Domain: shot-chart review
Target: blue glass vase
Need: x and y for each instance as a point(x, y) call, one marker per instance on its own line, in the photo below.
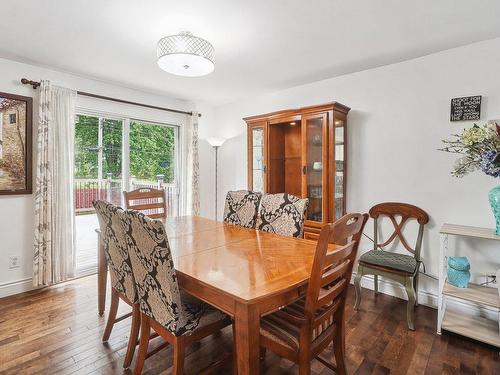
point(494, 197)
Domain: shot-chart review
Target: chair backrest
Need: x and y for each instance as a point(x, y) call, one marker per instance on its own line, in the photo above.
point(115, 249)
point(241, 208)
point(329, 280)
point(283, 214)
point(152, 202)
point(349, 227)
point(407, 211)
point(154, 273)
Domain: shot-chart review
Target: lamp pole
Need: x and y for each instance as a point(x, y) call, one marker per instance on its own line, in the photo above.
point(216, 143)
point(216, 175)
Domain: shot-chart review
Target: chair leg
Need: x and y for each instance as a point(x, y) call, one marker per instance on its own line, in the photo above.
point(357, 287)
point(338, 351)
point(134, 333)
point(411, 302)
point(305, 367)
point(143, 345)
point(262, 353)
point(375, 283)
point(415, 286)
point(113, 309)
point(179, 353)
point(235, 361)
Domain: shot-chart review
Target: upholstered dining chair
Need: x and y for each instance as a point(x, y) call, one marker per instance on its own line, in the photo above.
point(152, 202)
point(123, 288)
point(176, 316)
point(283, 214)
point(241, 208)
point(302, 330)
point(401, 268)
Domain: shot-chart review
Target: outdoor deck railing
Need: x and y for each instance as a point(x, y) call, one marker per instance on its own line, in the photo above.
point(87, 190)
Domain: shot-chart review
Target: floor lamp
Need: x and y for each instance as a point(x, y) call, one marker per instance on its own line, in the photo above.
point(216, 143)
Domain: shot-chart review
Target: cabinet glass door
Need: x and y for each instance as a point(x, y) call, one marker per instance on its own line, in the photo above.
point(339, 168)
point(315, 139)
point(257, 159)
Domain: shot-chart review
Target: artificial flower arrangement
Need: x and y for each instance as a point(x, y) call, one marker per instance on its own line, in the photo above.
point(480, 150)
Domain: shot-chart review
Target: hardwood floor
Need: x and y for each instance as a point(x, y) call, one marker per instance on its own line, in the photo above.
point(58, 331)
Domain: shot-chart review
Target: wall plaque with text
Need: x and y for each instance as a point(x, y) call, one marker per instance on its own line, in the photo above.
point(467, 108)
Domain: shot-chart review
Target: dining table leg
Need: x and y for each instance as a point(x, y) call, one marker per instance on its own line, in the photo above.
point(102, 276)
point(247, 333)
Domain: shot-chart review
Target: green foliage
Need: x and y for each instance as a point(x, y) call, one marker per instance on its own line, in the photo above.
point(86, 130)
point(152, 149)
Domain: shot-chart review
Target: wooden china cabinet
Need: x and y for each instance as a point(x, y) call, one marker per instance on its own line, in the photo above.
point(302, 152)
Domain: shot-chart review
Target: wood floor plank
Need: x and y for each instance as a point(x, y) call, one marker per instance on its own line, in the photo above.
point(58, 331)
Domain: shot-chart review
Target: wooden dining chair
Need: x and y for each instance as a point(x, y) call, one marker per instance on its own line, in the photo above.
point(176, 316)
point(241, 208)
point(302, 330)
point(282, 214)
point(401, 268)
point(152, 202)
point(123, 288)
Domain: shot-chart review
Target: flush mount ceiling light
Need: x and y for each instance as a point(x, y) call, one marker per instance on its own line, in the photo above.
point(185, 55)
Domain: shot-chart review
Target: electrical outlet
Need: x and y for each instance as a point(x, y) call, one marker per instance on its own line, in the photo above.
point(14, 262)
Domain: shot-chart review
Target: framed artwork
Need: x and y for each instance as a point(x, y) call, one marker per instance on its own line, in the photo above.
point(16, 115)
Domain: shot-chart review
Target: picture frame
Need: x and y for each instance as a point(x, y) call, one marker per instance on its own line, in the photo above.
point(16, 144)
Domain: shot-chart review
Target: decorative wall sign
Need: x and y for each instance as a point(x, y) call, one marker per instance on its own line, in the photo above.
point(467, 108)
point(15, 144)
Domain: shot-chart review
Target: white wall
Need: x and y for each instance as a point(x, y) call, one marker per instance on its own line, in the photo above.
point(399, 115)
point(16, 212)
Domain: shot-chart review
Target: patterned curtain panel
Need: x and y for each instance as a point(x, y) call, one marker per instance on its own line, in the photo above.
point(54, 244)
point(193, 167)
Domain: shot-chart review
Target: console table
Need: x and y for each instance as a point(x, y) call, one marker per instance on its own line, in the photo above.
point(475, 327)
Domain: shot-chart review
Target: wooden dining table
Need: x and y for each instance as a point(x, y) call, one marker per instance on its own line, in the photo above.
point(244, 272)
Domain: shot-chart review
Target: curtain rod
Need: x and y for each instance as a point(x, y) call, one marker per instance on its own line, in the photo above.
point(36, 84)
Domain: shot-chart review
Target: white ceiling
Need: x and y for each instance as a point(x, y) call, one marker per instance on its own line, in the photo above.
point(260, 45)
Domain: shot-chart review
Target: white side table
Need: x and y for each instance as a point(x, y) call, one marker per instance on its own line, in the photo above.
point(475, 327)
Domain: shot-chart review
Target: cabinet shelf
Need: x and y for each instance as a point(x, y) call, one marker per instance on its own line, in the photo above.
point(468, 231)
point(475, 327)
point(478, 294)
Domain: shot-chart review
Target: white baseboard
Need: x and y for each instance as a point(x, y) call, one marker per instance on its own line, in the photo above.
point(395, 289)
point(425, 298)
point(16, 287)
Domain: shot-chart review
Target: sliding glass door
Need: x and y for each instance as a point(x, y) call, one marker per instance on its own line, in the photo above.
point(113, 155)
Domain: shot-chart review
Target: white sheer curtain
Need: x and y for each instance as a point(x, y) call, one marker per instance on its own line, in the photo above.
point(192, 176)
point(54, 244)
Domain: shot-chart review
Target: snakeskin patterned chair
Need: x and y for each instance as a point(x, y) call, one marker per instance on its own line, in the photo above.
point(283, 214)
point(302, 330)
point(241, 208)
point(112, 238)
point(176, 316)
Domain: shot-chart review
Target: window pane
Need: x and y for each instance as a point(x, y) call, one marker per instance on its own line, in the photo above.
point(339, 172)
point(314, 133)
point(86, 146)
point(112, 149)
point(152, 153)
point(258, 159)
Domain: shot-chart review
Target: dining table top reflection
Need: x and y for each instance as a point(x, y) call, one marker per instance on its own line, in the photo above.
point(243, 272)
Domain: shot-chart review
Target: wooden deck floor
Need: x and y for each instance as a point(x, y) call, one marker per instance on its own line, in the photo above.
point(86, 242)
point(58, 331)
